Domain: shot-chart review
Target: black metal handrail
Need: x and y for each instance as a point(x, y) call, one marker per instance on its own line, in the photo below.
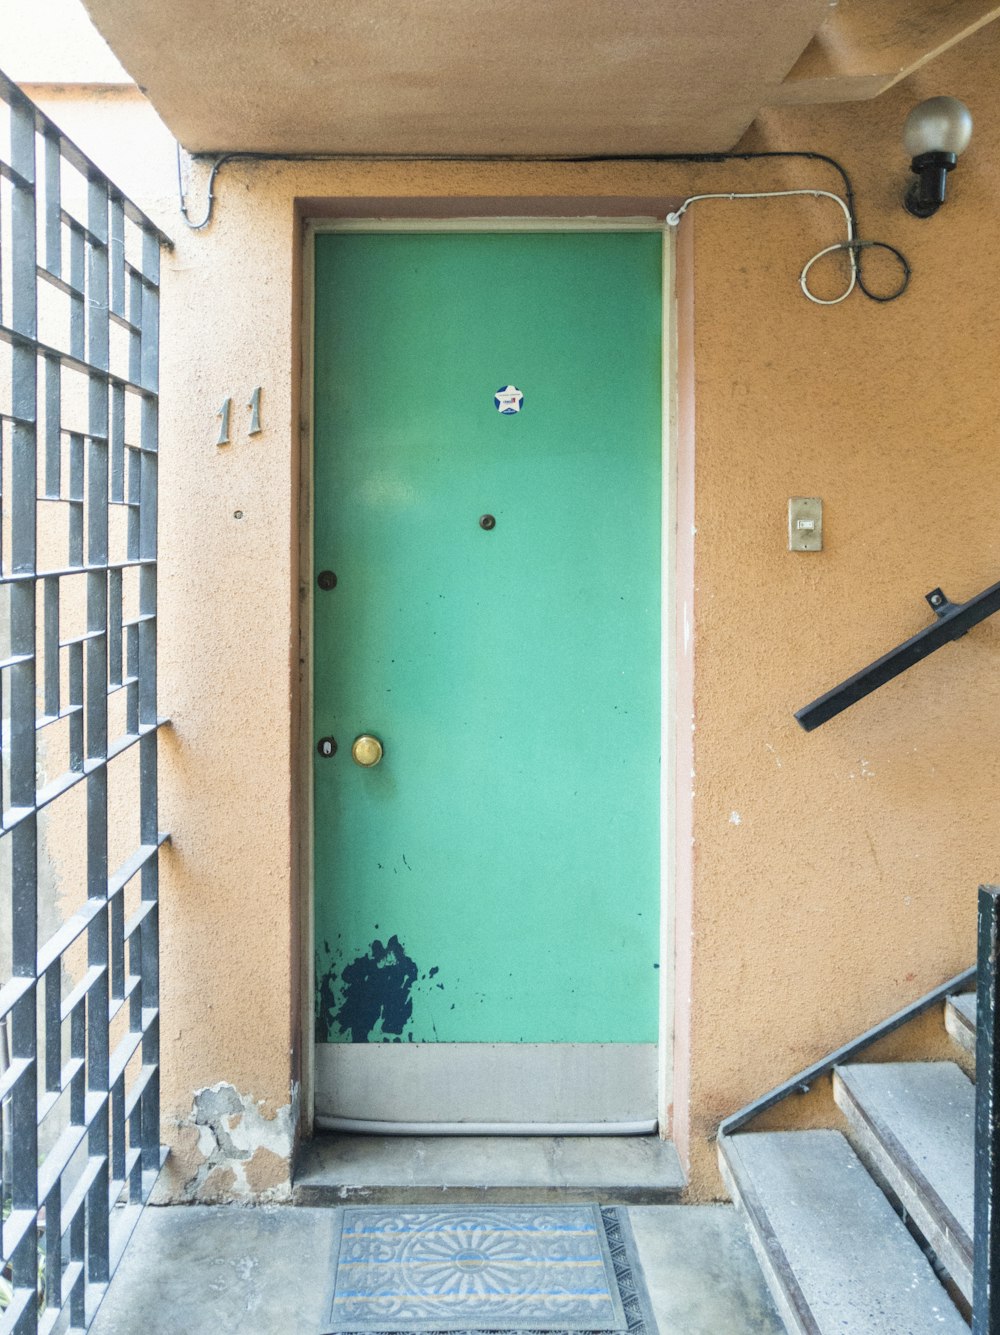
point(953, 620)
point(804, 1080)
point(986, 1213)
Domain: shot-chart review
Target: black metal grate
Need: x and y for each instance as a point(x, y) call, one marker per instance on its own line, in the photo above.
point(79, 1017)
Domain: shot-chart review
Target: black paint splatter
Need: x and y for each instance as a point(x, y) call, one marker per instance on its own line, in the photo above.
point(377, 986)
point(325, 1001)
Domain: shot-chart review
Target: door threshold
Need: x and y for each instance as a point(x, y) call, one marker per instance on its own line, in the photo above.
point(358, 1126)
point(506, 1170)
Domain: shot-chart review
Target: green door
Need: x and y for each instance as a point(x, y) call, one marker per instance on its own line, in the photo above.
point(487, 607)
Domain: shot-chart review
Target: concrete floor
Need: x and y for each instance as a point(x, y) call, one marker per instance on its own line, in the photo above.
point(212, 1270)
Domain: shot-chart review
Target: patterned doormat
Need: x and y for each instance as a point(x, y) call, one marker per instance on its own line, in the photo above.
point(487, 1270)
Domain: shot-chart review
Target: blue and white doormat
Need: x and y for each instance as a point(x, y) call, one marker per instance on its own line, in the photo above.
point(558, 1269)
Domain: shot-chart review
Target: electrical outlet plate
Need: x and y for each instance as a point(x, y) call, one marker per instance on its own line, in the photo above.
point(805, 524)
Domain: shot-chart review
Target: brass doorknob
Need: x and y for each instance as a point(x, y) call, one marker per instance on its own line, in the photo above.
point(366, 751)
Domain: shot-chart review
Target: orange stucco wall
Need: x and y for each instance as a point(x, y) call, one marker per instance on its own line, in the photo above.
point(848, 886)
point(824, 880)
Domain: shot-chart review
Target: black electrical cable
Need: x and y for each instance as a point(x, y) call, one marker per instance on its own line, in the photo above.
point(856, 246)
point(904, 265)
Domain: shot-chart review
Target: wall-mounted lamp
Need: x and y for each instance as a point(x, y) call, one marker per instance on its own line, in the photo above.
point(936, 131)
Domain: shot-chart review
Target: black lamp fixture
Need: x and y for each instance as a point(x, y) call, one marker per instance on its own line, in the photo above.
point(936, 131)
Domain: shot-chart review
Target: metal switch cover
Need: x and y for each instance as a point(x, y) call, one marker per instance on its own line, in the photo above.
point(805, 524)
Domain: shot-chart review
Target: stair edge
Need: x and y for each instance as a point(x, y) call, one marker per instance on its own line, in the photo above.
point(947, 1239)
point(959, 1026)
point(791, 1302)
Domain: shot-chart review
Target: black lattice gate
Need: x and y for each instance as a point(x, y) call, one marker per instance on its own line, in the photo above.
point(79, 1017)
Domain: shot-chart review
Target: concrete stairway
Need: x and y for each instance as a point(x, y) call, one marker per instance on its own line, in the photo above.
point(870, 1232)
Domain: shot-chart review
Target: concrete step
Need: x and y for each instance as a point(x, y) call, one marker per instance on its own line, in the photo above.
point(525, 1170)
point(835, 1254)
point(913, 1125)
point(960, 1019)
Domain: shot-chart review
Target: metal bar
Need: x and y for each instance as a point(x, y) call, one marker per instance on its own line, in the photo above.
point(96, 702)
point(135, 288)
point(986, 1209)
point(133, 927)
point(53, 205)
point(53, 436)
point(117, 443)
point(17, 816)
point(119, 1145)
point(73, 1205)
point(145, 703)
point(74, 224)
point(53, 1026)
point(8, 173)
point(73, 570)
point(78, 1048)
point(115, 598)
point(76, 703)
point(77, 278)
point(83, 988)
point(117, 255)
point(131, 993)
point(50, 642)
point(800, 1084)
point(24, 399)
point(53, 1249)
point(22, 216)
point(46, 720)
point(9, 334)
point(953, 621)
point(150, 359)
point(18, 1068)
point(134, 497)
point(13, 659)
point(13, 991)
point(76, 491)
point(53, 280)
point(117, 946)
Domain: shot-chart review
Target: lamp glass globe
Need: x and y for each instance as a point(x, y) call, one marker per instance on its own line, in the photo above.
point(939, 125)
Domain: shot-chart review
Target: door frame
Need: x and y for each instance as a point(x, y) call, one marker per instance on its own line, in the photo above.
point(303, 798)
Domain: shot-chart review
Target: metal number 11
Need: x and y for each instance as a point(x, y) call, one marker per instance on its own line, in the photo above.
point(223, 413)
point(254, 406)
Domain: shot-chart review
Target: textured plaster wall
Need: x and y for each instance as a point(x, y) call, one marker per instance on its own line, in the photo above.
point(824, 880)
point(848, 886)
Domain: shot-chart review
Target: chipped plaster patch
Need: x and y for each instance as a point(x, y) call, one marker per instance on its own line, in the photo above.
point(231, 1148)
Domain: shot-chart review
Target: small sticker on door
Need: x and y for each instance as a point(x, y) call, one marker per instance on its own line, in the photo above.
point(508, 400)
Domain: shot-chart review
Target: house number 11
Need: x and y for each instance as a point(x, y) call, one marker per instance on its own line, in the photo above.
point(225, 413)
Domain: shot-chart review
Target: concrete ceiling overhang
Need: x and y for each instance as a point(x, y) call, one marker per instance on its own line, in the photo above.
point(458, 77)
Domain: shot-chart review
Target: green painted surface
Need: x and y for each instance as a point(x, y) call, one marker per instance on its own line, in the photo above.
point(496, 877)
